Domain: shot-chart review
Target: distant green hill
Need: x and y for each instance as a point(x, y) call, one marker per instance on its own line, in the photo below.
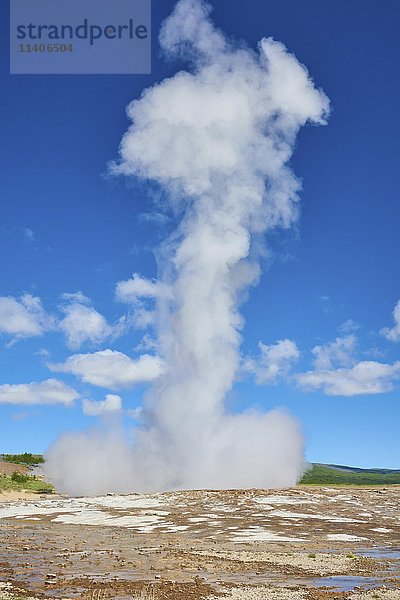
point(23, 459)
point(320, 474)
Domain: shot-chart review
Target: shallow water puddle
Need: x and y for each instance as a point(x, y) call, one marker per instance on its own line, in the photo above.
point(379, 552)
point(343, 583)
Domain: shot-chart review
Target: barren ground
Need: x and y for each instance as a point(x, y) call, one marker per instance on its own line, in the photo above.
point(7, 468)
point(301, 544)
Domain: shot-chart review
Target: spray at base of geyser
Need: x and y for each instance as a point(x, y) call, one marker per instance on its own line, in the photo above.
point(218, 141)
point(250, 450)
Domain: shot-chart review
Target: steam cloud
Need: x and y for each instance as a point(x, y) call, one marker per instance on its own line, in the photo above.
point(218, 140)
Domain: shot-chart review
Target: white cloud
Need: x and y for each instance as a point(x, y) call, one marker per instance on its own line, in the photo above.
point(393, 334)
point(23, 318)
point(51, 391)
point(132, 290)
point(338, 373)
point(78, 296)
point(111, 369)
point(82, 323)
point(339, 353)
point(43, 352)
point(366, 377)
point(348, 326)
point(274, 361)
point(111, 404)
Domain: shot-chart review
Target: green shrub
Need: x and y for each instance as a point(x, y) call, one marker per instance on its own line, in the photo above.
point(19, 481)
point(20, 477)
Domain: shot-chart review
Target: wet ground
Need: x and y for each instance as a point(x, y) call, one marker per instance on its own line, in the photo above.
point(304, 543)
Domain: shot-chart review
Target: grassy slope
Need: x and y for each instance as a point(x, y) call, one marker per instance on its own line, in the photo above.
point(18, 481)
point(8, 483)
point(338, 475)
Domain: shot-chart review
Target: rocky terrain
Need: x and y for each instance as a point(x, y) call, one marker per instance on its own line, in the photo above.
point(305, 543)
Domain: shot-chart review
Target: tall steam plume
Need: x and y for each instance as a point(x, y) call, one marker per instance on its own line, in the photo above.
point(217, 139)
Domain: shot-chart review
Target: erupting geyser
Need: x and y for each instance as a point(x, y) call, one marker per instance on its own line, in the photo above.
point(217, 139)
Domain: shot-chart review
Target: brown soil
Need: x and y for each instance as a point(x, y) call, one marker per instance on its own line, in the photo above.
point(7, 468)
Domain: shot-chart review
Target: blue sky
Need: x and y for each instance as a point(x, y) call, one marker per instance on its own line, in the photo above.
point(67, 227)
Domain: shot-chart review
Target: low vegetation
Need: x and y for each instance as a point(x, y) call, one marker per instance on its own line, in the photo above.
point(338, 475)
point(19, 482)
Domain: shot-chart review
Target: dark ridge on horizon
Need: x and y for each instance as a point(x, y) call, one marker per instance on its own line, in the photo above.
point(359, 469)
